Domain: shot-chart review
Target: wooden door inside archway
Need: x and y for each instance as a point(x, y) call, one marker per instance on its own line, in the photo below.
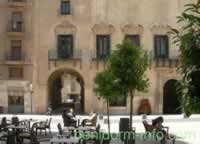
point(171, 103)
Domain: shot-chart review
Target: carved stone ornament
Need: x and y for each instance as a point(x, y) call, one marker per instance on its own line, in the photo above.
point(160, 29)
point(103, 28)
point(132, 29)
point(65, 28)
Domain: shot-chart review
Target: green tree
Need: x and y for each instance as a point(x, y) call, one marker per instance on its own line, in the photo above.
point(187, 38)
point(107, 89)
point(129, 63)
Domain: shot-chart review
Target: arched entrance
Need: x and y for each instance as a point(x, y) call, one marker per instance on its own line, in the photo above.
point(66, 90)
point(171, 104)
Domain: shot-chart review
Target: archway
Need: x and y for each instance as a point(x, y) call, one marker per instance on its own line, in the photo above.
point(171, 103)
point(66, 90)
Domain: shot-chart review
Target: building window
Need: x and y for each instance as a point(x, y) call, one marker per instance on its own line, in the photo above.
point(15, 100)
point(65, 46)
point(65, 7)
point(16, 46)
point(15, 103)
point(119, 103)
point(17, 22)
point(134, 38)
point(15, 72)
point(103, 46)
point(161, 46)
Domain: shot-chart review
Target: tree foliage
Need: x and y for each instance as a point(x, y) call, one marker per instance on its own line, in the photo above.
point(128, 64)
point(187, 38)
point(107, 88)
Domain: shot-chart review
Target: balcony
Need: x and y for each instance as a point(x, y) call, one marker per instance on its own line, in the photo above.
point(15, 28)
point(55, 56)
point(171, 62)
point(16, 59)
point(98, 62)
point(101, 57)
point(17, 3)
point(59, 59)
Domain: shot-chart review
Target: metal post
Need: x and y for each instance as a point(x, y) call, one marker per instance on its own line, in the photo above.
point(31, 102)
point(31, 92)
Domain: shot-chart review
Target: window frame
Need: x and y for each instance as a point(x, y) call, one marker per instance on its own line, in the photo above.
point(134, 37)
point(68, 49)
point(65, 4)
point(12, 72)
point(158, 50)
point(104, 51)
point(15, 50)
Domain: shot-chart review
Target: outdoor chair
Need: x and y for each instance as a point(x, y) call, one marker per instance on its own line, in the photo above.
point(60, 131)
point(15, 121)
point(90, 122)
point(150, 129)
point(32, 136)
point(7, 137)
point(68, 121)
point(42, 126)
point(94, 140)
point(48, 126)
point(3, 124)
point(26, 123)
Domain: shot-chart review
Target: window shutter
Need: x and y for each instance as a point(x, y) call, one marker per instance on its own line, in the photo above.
point(108, 46)
point(97, 46)
point(167, 47)
point(156, 47)
point(70, 46)
point(59, 46)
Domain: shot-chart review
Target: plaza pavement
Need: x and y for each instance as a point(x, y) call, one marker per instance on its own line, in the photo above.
point(187, 130)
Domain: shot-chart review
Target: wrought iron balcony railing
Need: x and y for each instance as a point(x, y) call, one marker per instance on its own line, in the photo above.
point(56, 56)
point(17, 3)
point(100, 56)
point(16, 58)
point(169, 61)
point(16, 26)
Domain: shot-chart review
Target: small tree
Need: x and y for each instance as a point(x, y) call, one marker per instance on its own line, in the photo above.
point(187, 38)
point(107, 89)
point(128, 64)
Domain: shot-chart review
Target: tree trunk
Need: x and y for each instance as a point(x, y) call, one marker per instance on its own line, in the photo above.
point(131, 108)
point(108, 115)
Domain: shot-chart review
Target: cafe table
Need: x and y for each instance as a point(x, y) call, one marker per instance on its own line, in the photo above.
point(62, 139)
point(15, 128)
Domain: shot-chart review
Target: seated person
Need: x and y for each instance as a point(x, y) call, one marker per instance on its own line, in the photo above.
point(69, 118)
point(157, 123)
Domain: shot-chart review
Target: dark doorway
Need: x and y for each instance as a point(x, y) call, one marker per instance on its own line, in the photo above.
point(171, 103)
point(55, 85)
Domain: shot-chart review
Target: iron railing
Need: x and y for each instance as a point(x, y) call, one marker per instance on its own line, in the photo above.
point(20, 57)
point(15, 26)
point(54, 55)
point(10, 1)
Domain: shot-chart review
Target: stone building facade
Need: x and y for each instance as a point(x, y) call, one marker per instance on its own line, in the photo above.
point(42, 40)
